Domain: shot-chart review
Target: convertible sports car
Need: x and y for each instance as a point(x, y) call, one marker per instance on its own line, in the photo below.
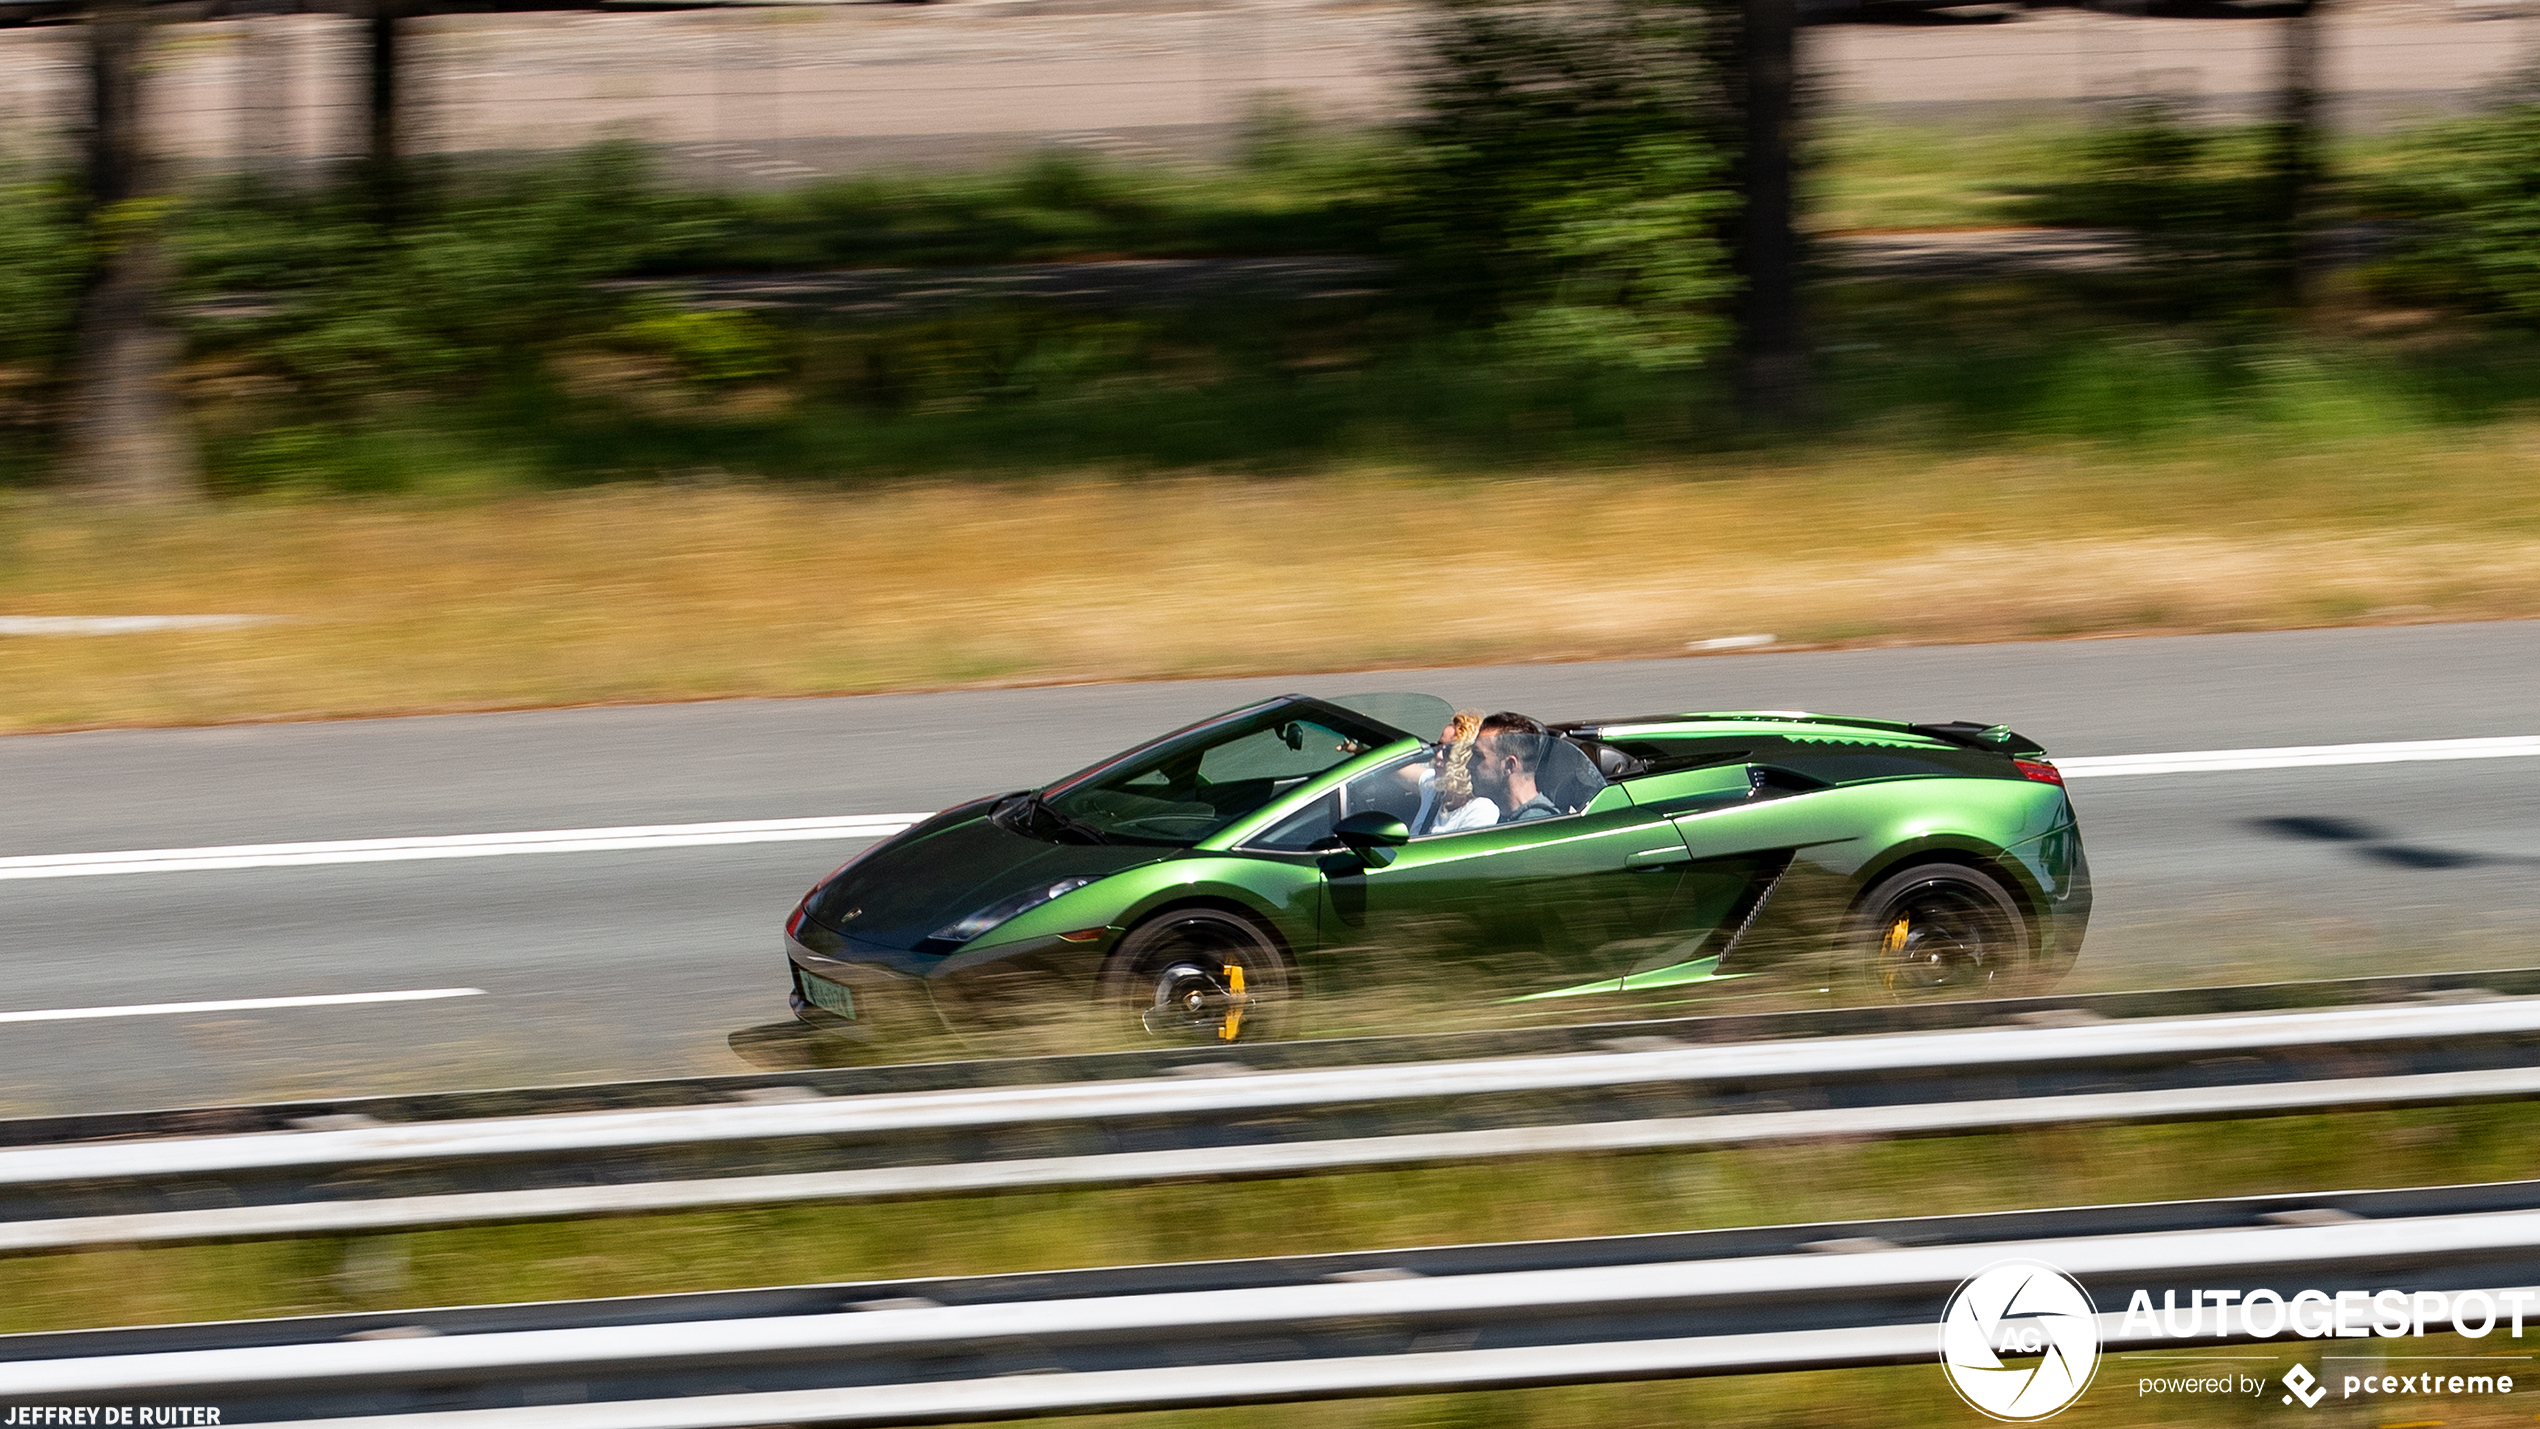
point(1200, 882)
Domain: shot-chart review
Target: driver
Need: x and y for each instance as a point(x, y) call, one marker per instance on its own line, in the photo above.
point(1507, 756)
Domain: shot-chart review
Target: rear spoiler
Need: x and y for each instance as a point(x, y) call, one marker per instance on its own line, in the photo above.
point(1994, 738)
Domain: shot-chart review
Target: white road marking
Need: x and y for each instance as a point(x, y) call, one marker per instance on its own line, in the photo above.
point(296, 855)
point(124, 624)
point(237, 1004)
point(874, 826)
point(2304, 756)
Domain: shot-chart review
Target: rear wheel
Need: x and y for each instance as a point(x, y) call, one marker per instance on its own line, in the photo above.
point(1942, 930)
point(1202, 975)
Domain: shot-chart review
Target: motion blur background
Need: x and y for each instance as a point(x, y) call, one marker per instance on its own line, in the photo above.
point(559, 355)
point(443, 359)
point(256, 249)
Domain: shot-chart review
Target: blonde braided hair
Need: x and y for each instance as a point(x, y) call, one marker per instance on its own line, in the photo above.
point(1455, 772)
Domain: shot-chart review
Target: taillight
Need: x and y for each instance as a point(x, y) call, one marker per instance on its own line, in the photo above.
point(2041, 771)
point(794, 922)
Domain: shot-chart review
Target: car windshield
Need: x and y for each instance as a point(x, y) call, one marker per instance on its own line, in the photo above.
point(1195, 781)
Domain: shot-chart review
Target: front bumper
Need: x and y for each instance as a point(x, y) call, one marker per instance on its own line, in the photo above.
point(852, 991)
point(955, 992)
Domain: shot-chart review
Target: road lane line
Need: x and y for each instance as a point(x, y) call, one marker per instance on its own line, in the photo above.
point(873, 826)
point(402, 850)
point(238, 1004)
point(2304, 756)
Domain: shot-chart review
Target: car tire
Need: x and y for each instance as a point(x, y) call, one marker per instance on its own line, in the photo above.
point(1201, 976)
point(1941, 931)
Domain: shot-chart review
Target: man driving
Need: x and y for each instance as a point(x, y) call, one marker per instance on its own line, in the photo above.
point(1507, 757)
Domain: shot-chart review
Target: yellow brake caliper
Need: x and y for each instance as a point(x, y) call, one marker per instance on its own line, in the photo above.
point(1235, 1014)
point(1897, 931)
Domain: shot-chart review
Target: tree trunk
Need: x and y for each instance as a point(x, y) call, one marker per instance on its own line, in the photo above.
point(383, 148)
point(126, 441)
point(2297, 159)
point(1773, 358)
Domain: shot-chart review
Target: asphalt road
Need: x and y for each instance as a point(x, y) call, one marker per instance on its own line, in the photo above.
point(609, 964)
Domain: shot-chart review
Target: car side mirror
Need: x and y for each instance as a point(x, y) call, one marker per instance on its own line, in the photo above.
point(1373, 836)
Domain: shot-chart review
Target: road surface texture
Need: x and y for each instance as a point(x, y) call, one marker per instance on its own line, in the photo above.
point(609, 964)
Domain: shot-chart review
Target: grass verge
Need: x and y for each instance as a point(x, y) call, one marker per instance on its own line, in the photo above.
point(653, 593)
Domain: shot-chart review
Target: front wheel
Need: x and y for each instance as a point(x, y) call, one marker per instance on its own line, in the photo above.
point(1942, 930)
point(1202, 975)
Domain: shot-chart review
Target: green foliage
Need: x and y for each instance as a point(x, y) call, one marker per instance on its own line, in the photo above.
point(1637, 275)
point(471, 279)
point(2202, 202)
point(1297, 191)
point(2053, 359)
point(1563, 181)
point(984, 356)
point(44, 258)
point(711, 345)
point(2470, 193)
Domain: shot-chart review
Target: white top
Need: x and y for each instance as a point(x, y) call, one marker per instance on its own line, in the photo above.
point(1476, 812)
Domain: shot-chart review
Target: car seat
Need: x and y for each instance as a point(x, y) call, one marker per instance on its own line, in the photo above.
point(1568, 778)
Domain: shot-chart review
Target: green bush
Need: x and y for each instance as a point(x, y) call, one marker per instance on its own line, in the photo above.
point(2468, 194)
point(45, 255)
point(2203, 203)
point(475, 280)
point(44, 258)
point(1296, 191)
point(1635, 273)
point(1563, 182)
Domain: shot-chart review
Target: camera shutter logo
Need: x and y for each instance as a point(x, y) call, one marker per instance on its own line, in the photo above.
point(2019, 1308)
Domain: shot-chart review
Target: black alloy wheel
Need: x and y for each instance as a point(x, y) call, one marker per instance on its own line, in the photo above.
point(1942, 930)
point(1202, 975)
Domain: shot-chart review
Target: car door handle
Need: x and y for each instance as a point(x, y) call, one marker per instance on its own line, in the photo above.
point(1659, 857)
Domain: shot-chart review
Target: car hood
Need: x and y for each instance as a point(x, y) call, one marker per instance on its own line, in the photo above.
point(947, 868)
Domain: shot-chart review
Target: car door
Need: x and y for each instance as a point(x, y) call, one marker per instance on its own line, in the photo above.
point(1723, 877)
point(1759, 837)
point(1538, 907)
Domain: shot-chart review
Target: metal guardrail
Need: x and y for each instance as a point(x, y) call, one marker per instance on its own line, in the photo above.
point(1267, 1123)
point(978, 1075)
point(1292, 1328)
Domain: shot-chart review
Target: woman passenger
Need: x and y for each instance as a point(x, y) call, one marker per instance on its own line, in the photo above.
point(1447, 801)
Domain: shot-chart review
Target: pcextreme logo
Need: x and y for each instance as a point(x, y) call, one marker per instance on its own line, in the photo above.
point(2020, 1308)
point(2305, 1386)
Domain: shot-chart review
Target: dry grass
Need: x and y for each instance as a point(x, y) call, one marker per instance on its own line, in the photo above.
point(651, 593)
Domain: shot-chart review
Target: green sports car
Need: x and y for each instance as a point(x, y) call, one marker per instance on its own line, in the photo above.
point(1203, 881)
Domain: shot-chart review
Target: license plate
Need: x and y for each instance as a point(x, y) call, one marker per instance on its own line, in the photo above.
point(828, 996)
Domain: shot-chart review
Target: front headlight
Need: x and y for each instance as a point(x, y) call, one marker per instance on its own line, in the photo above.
point(1005, 908)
